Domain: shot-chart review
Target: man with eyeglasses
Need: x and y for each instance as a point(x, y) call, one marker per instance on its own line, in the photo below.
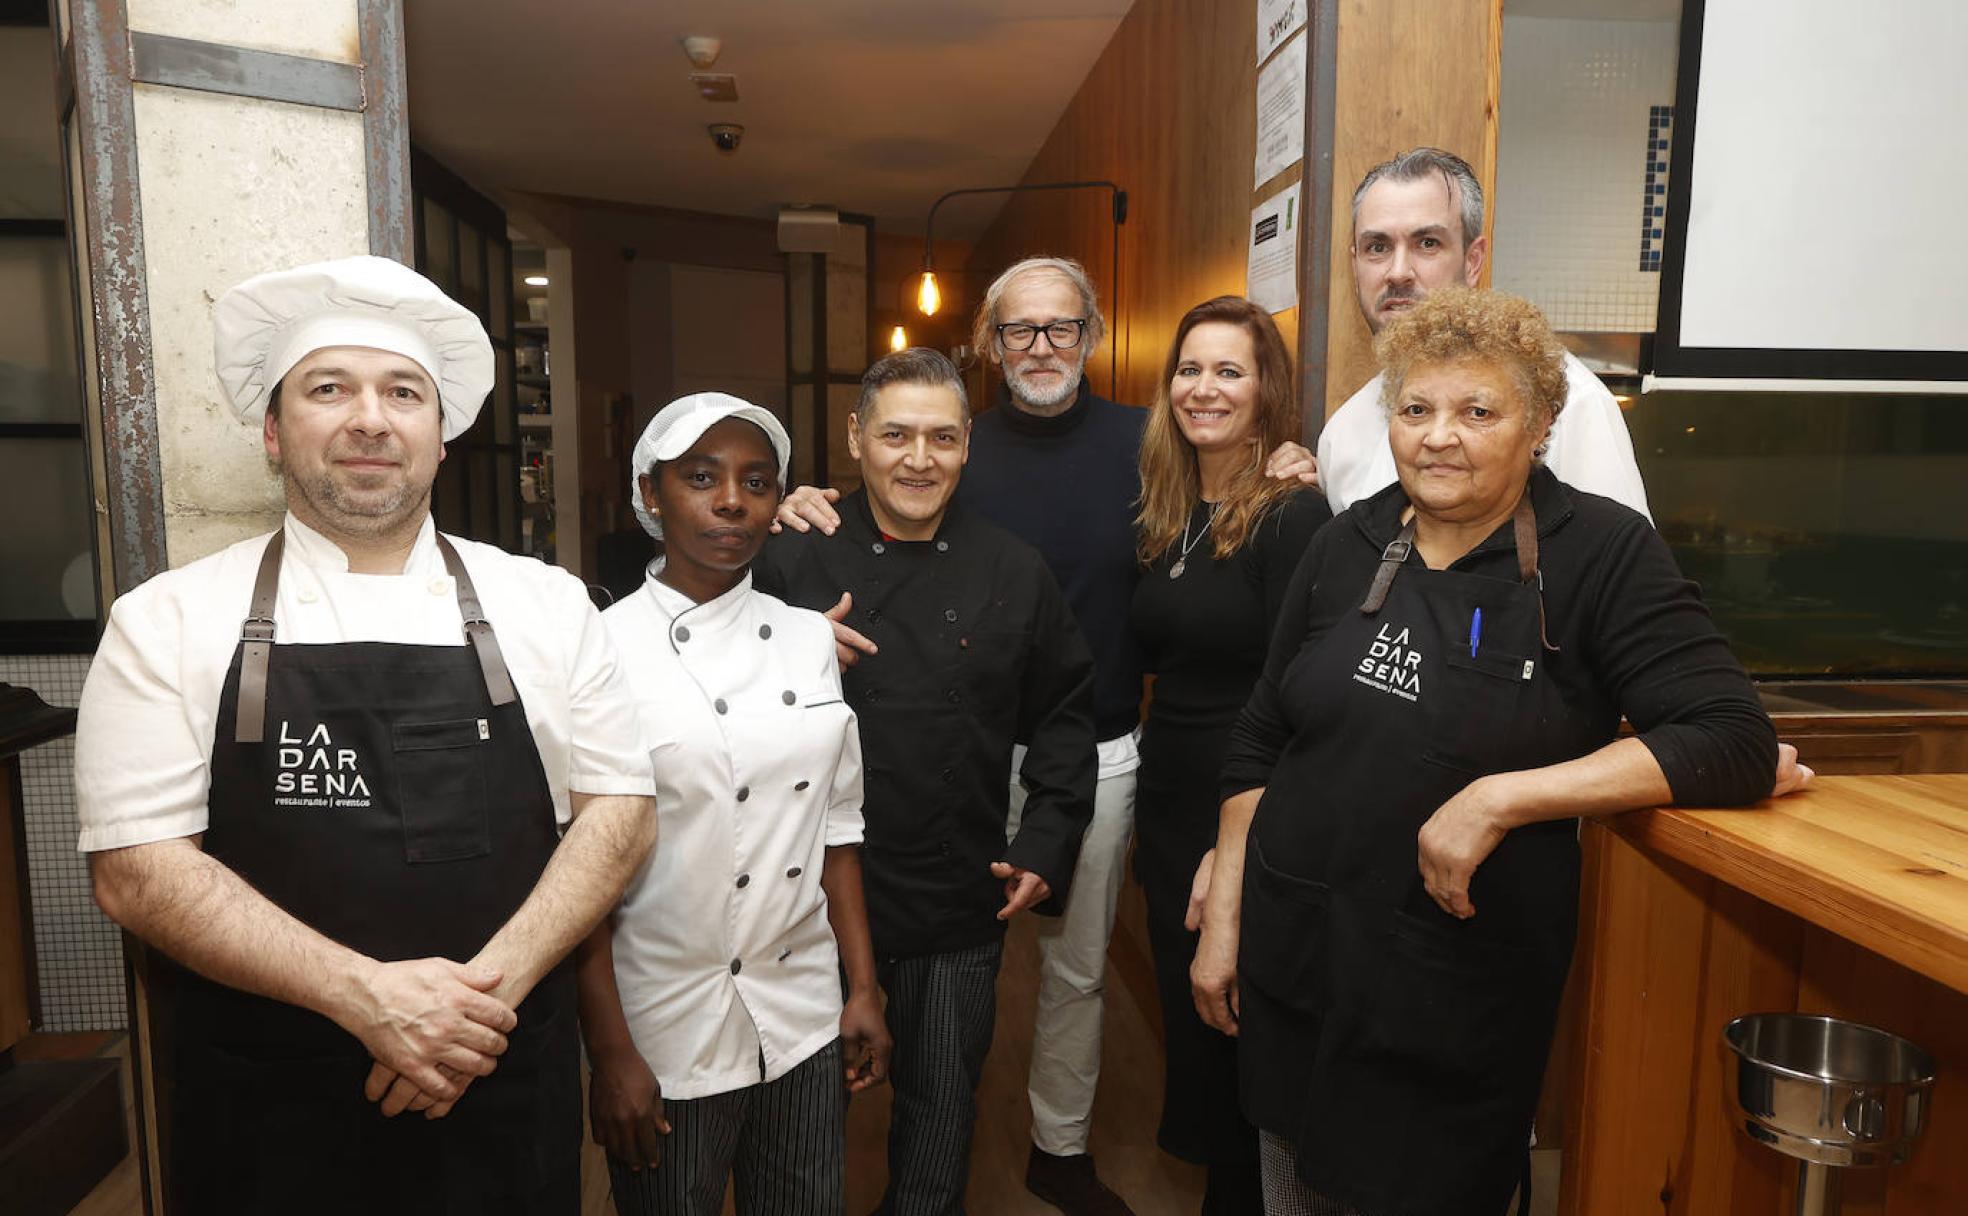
point(1058, 467)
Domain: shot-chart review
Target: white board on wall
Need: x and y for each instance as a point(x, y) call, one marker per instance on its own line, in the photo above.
point(1817, 194)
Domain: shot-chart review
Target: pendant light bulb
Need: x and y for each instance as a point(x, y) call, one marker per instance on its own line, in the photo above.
point(928, 298)
point(898, 339)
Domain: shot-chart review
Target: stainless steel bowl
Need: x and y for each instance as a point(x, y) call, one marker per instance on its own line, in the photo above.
point(1828, 1091)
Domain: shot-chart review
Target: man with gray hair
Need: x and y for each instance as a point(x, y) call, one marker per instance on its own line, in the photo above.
point(1058, 467)
point(1418, 225)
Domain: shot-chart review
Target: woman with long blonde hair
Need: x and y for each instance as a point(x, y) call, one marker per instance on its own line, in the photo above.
point(1218, 541)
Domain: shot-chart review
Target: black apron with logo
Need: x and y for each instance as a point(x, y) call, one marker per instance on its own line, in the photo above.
point(1400, 1048)
point(397, 804)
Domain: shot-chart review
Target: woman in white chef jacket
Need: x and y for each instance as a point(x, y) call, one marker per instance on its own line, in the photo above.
point(711, 1001)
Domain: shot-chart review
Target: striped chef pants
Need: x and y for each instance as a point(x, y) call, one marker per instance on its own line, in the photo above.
point(941, 1009)
point(782, 1144)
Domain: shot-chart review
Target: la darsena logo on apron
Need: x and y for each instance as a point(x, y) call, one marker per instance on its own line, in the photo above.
point(1391, 664)
point(314, 772)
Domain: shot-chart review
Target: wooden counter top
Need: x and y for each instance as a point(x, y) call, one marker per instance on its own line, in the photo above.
point(1880, 861)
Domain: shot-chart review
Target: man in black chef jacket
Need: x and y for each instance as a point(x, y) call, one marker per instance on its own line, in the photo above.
point(975, 651)
point(368, 784)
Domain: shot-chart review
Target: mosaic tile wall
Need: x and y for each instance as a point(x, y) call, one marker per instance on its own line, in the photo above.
point(78, 950)
point(1586, 118)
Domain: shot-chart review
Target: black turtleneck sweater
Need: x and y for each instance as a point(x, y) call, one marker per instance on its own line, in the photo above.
point(1066, 485)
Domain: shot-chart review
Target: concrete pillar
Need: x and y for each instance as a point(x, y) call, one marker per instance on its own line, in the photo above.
point(211, 140)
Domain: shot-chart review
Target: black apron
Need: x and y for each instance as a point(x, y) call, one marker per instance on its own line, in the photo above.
point(1400, 1048)
point(393, 801)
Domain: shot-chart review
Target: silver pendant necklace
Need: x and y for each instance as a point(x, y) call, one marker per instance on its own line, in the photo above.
point(1182, 559)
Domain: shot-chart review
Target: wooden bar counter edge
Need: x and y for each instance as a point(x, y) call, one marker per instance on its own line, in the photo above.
point(1849, 899)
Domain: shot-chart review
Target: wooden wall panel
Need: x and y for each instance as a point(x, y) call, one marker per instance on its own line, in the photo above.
point(1169, 113)
point(1844, 980)
point(1668, 956)
point(1409, 72)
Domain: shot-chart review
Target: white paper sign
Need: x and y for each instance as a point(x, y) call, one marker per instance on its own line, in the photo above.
point(1281, 112)
point(1273, 276)
point(1277, 20)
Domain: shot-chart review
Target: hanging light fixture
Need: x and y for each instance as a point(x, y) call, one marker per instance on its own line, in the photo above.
point(929, 298)
point(898, 339)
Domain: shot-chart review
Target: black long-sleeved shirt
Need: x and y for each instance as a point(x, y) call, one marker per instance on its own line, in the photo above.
point(1633, 638)
point(1066, 486)
point(978, 651)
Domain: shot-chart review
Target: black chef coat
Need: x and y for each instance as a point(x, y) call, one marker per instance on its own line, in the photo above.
point(1400, 1047)
point(978, 651)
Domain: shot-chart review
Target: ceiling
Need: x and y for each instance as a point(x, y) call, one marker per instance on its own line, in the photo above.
point(875, 106)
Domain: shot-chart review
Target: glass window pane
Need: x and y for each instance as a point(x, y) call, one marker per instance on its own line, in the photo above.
point(471, 269)
point(440, 264)
point(847, 315)
point(501, 404)
point(499, 283)
point(38, 380)
point(485, 493)
point(448, 498)
point(843, 473)
point(506, 464)
point(1826, 530)
point(50, 567)
point(800, 269)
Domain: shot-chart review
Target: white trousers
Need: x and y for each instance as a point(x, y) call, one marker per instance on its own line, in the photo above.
point(1073, 971)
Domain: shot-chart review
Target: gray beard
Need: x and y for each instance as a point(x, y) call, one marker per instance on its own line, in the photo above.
point(1044, 401)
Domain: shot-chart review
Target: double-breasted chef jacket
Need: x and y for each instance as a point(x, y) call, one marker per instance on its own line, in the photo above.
point(1400, 1047)
point(388, 789)
point(724, 956)
point(977, 651)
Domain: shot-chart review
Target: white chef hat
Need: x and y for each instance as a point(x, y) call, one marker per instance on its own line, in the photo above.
point(267, 324)
point(680, 424)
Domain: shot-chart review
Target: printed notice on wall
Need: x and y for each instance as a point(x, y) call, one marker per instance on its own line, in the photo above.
point(1281, 112)
point(1273, 277)
point(1277, 20)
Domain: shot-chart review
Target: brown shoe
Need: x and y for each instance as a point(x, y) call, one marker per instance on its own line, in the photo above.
point(1069, 1184)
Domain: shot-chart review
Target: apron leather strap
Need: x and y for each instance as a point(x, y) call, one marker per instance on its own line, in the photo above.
point(256, 637)
point(1390, 564)
point(1524, 521)
point(1524, 524)
point(478, 630)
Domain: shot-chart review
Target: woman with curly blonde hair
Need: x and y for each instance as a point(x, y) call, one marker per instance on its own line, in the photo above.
point(1218, 541)
point(1391, 904)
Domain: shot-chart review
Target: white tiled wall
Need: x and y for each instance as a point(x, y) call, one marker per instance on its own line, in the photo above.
point(1572, 164)
point(78, 951)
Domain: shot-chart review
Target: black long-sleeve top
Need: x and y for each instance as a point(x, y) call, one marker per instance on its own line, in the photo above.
point(1633, 638)
point(1066, 486)
point(977, 651)
point(1205, 634)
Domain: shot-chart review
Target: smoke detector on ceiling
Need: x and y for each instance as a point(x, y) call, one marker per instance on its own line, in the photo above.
point(702, 49)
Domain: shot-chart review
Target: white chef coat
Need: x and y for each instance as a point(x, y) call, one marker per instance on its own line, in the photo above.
point(724, 956)
point(150, 705)
point(1590, 448)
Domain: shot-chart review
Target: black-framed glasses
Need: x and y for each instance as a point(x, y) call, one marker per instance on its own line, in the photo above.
point(1060, 335)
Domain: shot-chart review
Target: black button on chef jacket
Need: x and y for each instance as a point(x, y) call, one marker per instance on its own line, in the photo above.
point(978, 651)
